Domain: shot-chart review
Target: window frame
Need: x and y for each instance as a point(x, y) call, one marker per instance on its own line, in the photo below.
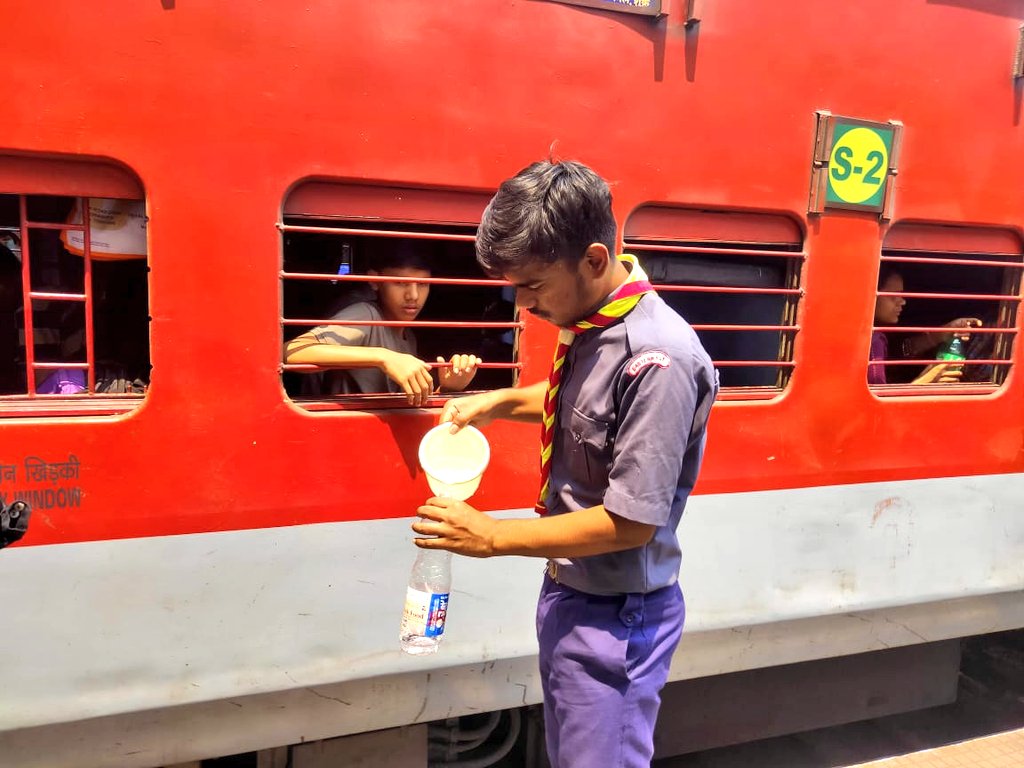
point(934, 243)
point(385, 211)
point(658, 227)
point(24, 177)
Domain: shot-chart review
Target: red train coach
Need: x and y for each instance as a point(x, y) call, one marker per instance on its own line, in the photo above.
point(216, 552)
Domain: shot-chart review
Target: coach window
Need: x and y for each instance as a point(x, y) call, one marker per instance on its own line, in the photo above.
point(74, 309)
point(335, 234)
point(735, 277)
point(937, 283)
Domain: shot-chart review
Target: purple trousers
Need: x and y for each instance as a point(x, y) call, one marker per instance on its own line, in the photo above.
point(603, 663)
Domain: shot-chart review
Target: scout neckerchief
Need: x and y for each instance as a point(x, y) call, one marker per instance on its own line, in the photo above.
point(619, 304)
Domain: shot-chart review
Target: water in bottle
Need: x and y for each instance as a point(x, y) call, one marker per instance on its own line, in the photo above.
point(426, 602)
point(453, 464)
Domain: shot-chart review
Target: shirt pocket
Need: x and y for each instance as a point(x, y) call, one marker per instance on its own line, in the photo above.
point(587, 447)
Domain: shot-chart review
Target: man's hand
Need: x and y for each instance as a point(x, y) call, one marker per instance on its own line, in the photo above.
point(411, 374)
point(457, 377)
point(478, 410)
point(456, 527)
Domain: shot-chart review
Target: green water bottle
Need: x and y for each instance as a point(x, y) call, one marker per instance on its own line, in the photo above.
point(953, 351)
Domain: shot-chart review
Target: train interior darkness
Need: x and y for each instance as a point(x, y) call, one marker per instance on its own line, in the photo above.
point(727, 308)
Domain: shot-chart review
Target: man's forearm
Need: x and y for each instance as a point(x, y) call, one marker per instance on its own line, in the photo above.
point(520, 403)
point(593, 531)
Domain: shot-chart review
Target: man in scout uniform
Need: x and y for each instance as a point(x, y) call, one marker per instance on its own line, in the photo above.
point(623, 417)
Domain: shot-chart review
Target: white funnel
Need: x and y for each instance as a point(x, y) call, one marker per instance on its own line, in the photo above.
point(455, 463)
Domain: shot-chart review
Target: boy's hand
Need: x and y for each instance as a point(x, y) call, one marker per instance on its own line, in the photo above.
point(462, 371)
point(477, 410)
point(411, 374)
point(942, 373)
point(456, 527)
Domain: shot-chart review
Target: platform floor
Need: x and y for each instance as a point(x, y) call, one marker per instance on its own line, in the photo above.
point(1002, 750)
point(988, 713)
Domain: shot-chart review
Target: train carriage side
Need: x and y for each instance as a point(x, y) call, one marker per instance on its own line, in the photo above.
point(216, 558)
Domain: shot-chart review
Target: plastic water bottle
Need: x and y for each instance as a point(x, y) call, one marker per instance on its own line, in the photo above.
point(426, 602)
point(954, 350)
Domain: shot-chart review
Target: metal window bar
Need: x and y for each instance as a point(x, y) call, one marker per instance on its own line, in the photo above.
point(788, 327)
point(954, 261)
point(32, 402)
point(28, 295)
point(1004, 331)
point(381, 399)
point(376, 233)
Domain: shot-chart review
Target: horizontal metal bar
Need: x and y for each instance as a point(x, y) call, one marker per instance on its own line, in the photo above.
point(936, 361)
point(58, 366)
point(403, 323)
point(377, 233)
point(67, 406)
point(754, 363)
point(733, 394)
point(54, 225)
point(375, 401)
point(392, 279)
point(940, 329)
point(730, 289)
point(709, 251)
point(746, 327)
point(47, 296)
point(982, 296)
point(958, 262)
point(938, 388)
point(314, 368)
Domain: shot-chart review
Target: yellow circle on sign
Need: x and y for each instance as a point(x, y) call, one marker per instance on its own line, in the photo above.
point(858, 165)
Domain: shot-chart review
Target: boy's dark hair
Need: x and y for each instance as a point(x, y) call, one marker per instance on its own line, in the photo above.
point(395, 254)
point(547, 211)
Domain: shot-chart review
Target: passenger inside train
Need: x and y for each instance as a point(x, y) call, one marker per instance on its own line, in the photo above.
point(374, 358)
point(888, 310)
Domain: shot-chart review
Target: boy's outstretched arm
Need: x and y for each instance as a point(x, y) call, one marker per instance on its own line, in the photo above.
point(408, 371)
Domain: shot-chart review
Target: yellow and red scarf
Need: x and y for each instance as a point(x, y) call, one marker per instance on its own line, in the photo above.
point(619, 304)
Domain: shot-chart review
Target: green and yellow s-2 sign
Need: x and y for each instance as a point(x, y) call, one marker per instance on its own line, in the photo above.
point(858, 164)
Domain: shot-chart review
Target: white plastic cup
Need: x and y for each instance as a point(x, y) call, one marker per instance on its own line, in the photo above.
point(455, 463)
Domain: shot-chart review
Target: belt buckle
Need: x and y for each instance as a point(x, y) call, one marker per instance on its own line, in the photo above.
point(553, 571)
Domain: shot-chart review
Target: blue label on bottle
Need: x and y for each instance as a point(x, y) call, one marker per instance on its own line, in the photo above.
point(436, 615)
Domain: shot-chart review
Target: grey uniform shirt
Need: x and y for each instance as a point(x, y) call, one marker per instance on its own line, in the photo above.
point(362, 380)
point(632, 413)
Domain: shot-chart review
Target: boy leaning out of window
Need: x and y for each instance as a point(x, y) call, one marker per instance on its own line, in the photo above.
point(374, 358)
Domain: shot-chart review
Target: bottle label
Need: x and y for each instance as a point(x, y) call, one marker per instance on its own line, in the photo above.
point(425, 613)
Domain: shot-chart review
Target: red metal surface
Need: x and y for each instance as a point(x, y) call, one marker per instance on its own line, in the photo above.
point(406, 323)
point(90, 353)
point(958, 262)
point(351, 278)
point(225, 117)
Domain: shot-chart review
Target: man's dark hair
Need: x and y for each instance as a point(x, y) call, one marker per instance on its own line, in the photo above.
point(547, 211)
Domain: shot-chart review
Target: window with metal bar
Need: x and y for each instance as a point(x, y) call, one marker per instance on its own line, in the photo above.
point(74, 320)
point(735, 277)
point(938, 283)
point(338, 241)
